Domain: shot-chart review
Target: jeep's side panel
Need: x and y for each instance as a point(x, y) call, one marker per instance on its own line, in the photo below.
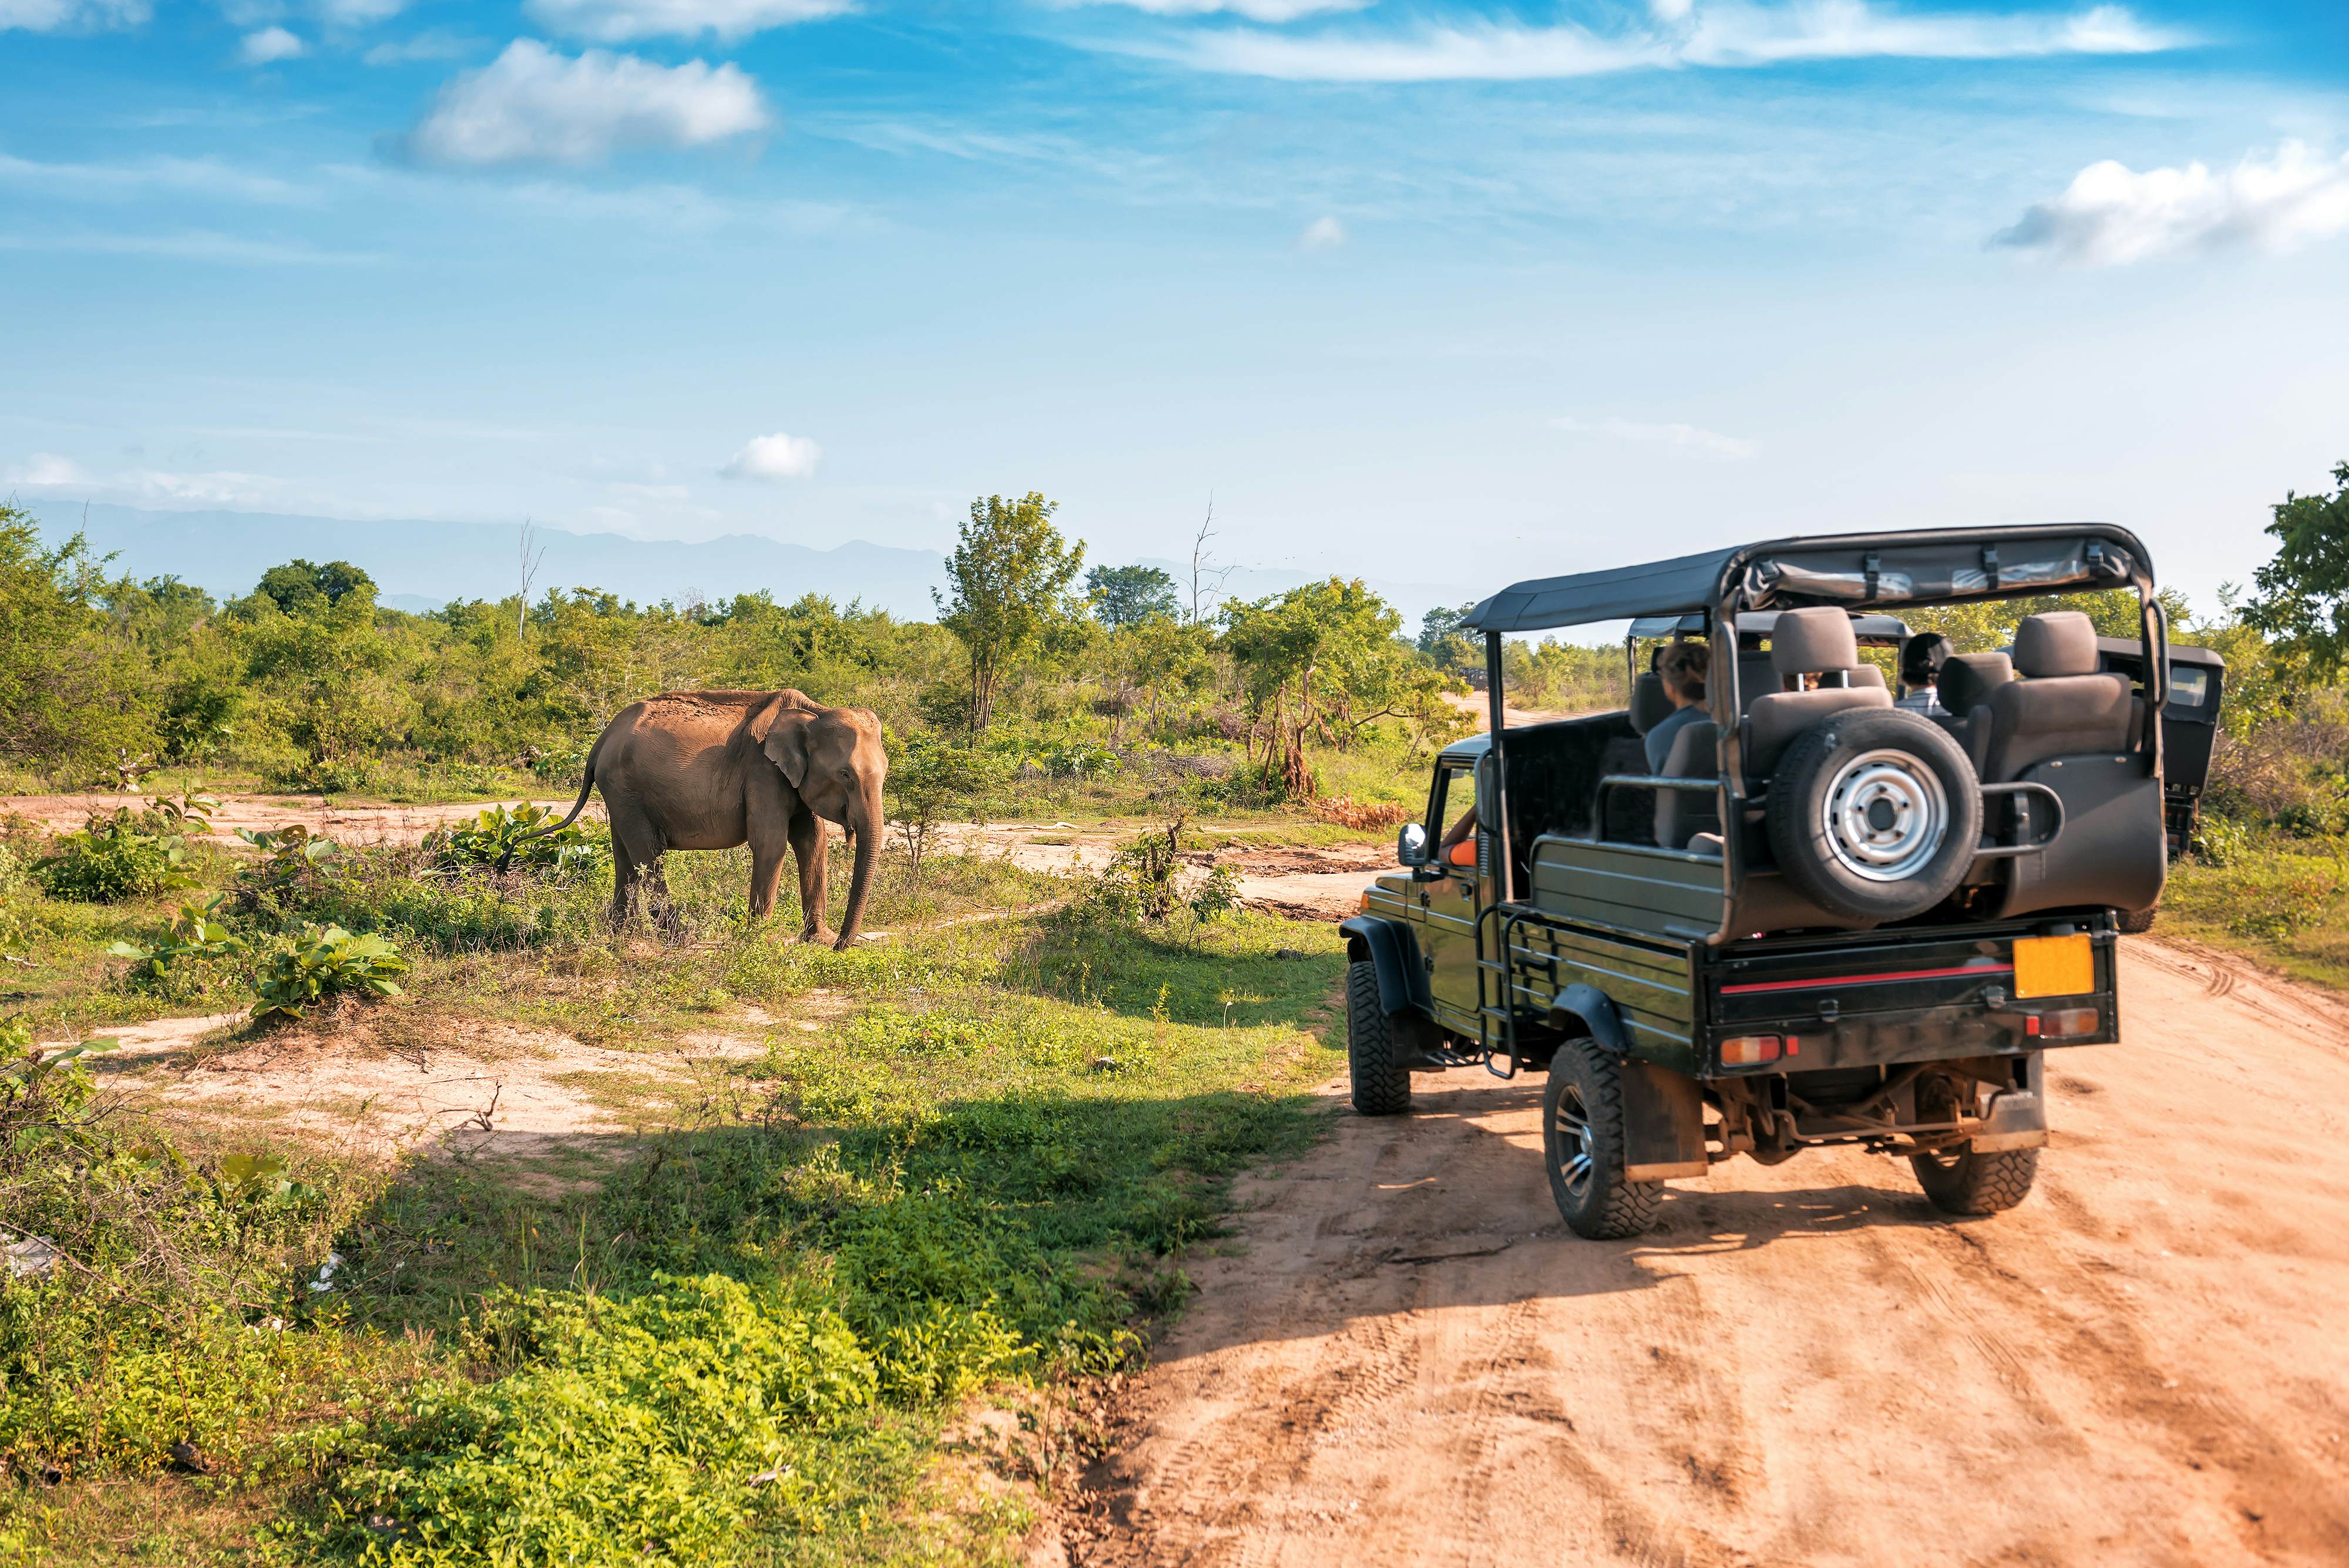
point(1663, 891)
point(1650, 982)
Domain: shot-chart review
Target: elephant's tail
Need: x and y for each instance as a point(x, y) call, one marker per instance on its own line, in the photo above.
point(586, 783)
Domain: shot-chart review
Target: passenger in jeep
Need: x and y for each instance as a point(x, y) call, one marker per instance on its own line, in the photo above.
point(1683, 666)
point(1920, 673)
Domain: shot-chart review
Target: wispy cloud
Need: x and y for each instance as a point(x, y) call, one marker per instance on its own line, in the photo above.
point(625, 21)
point(1689, 437)
point(194, 245)
point(45, 470)
point(269, 46)
point(71, 16)
point(775, 458)
point(533, 105)
point(2111, 215)
point(1254, 10)
point(432, 44)
point(1325, 233)
point(1728, 35)
point(122, 182)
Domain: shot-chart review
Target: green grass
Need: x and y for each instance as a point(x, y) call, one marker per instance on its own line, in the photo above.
point(742, 1336)
point(2281, 900)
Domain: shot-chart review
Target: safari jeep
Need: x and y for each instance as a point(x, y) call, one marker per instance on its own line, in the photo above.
point(1824, 918)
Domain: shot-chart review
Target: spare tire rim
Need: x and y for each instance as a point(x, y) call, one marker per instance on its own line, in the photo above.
point(1885, 815)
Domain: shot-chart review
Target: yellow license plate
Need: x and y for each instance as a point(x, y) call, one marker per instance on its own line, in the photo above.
point(2054, 966)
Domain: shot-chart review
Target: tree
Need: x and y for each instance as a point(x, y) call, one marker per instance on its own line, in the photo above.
point(1125, 597)
point(929, 780)
point(1323, 653)
point(298, 588)
point(67, 690)
point(1006, 582)
point(1447, 645)
point(2302, 599)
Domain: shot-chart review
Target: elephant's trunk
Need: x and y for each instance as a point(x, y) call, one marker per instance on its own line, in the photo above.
point(867, 833)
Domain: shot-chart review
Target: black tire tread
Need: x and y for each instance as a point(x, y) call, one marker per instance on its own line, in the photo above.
point(2137, 922)
point(1627, 1208)
point(1979, 1183)
point(1379, 1087)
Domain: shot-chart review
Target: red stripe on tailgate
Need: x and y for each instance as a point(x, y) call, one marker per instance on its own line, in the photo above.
point(1981, 968)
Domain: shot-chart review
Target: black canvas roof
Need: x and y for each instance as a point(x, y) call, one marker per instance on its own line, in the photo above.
point(2179, 653)
point(1856, 571)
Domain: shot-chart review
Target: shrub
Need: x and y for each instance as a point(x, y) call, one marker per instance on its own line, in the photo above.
point(499, 836)
point(180, 967)
point(114, 858)
point(326, 961)
point(1347, 812)
point(651, 1428)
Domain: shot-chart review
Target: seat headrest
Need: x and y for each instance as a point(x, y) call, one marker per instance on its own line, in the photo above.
point(2061, 642)
point(1651, 704)
point(1813, 641)
point(1967, 680)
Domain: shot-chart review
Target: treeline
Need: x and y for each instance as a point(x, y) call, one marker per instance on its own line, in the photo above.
point(310, 684)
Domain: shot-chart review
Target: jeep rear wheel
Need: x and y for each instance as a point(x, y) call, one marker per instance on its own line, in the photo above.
point(1381, 1087)
point(1874, 814)
point(1960, 1181)
point(1582, 1142)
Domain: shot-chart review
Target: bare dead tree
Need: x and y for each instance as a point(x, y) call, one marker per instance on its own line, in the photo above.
point(1207, 578)
point(530, 564)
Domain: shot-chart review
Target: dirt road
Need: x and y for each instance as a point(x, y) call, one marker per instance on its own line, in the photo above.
point(1407, 1359)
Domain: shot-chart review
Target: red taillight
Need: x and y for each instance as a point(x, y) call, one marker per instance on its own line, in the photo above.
point(2068, 1022)
point(1749, 1050)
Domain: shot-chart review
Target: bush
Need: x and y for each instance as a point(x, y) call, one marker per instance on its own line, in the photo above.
point(648, 1428)
point(326, 961)
point(114, 858)
point(184, 963)
point(499, 836)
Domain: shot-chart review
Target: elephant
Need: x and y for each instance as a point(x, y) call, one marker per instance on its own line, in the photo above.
point(709, 770)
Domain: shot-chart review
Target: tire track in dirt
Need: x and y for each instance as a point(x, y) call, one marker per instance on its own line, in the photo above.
point(1803, 1365)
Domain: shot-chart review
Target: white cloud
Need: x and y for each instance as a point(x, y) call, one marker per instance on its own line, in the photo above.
point(1670, 10)
point(269, 46)
point(47, 468)
point(1254, 10)
point(123, 182)
point(775, 458)
point(533, 105)
point(2111, 215)
point(71, 16)
point(47, 471)
point(1721, 35)
point(1322, 234)
point(1686, 436)
point(619, 21)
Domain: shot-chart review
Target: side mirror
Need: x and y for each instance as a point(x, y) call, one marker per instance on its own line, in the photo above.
point(1411, 844)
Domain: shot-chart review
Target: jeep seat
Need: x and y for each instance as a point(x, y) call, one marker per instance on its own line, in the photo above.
point(1651, 704)
point(1966, 683)
point(1816, 641)
point(2062, 706)
point(1683, 815)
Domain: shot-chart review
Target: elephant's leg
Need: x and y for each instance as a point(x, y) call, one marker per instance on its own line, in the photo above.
point(768, 848)
point(808, 845)
point(636, 846)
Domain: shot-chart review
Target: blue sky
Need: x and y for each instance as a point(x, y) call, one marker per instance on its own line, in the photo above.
point(1447, 292)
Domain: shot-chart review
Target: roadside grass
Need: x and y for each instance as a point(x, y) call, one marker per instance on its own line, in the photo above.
point(2282, 900)
point(739, 1338)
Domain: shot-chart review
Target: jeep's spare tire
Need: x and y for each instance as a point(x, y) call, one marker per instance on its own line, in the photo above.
point(1874, 814)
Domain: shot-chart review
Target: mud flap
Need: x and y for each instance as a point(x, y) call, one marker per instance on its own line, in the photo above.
point(1663, 1123)
point(2018, 1117)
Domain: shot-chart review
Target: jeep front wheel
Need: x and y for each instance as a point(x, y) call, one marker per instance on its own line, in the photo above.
point(1582, 1139)
point(1381, 1086)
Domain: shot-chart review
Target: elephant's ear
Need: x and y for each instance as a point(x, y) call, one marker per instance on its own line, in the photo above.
point(785, 742)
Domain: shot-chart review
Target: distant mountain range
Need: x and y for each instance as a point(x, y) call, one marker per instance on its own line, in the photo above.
point(419, 566)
